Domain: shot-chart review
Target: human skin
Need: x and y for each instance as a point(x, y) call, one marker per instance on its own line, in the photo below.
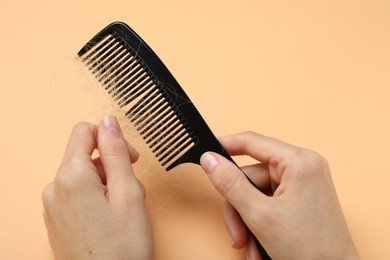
point(95, 208)
point(294, 211)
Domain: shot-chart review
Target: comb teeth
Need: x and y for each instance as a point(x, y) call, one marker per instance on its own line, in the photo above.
point(135, 89)
point(153, 100)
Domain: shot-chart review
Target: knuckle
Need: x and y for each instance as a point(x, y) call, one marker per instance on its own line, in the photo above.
point(269, 217)
point(249, 135)
point(134, 194)
point(309, 161)
point(142, 190)
point(80, 126)
point(70, 175)
point(45, 216)
point(47, 195)
point(137, 191)
point(65, 182)
point(311, 157)
point(115, 150)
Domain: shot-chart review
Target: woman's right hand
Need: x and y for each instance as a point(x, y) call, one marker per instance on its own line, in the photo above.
point(294, 212)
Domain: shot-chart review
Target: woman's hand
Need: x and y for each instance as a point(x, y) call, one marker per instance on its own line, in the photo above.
point(95, 208)
point(294, 212)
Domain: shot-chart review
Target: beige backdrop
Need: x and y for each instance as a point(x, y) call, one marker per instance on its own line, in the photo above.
point(313, 73)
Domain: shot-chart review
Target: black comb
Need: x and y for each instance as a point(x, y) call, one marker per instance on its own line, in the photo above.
point(154, 102)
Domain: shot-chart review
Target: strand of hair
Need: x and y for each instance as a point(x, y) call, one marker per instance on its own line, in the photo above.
point(129, 74)
point(94, 60)
point(115, 58)
point(118, 70)
point(160, 127)
point(140, 78)
point(105, 57)
point(175, 147)
point(168, 114)
point(149, 111)
point(178, 133)
point(134, 92)
point(168, 128)
point(153, 116)
point(97, 48)
point(139, 104)
point(184, 148)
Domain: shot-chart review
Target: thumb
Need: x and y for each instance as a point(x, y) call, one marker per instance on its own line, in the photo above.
point(232, 184)
point(114, 155)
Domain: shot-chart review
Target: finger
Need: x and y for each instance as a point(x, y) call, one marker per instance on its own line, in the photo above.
point(237, 229)
point(114, 156)
point(134, 156)
point(232, 184)
point(100, 170)
point(260, 147)
point(47, 196)
point(82, 141)
point(76, 174)
point(252, 252)
point(133, 153)
point(260, 176)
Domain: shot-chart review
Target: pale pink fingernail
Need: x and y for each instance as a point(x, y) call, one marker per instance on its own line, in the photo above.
point(111, 125)
point(208, 162)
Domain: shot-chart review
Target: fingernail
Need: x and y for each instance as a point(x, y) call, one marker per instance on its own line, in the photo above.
point(208, 162)
point(111, 125)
